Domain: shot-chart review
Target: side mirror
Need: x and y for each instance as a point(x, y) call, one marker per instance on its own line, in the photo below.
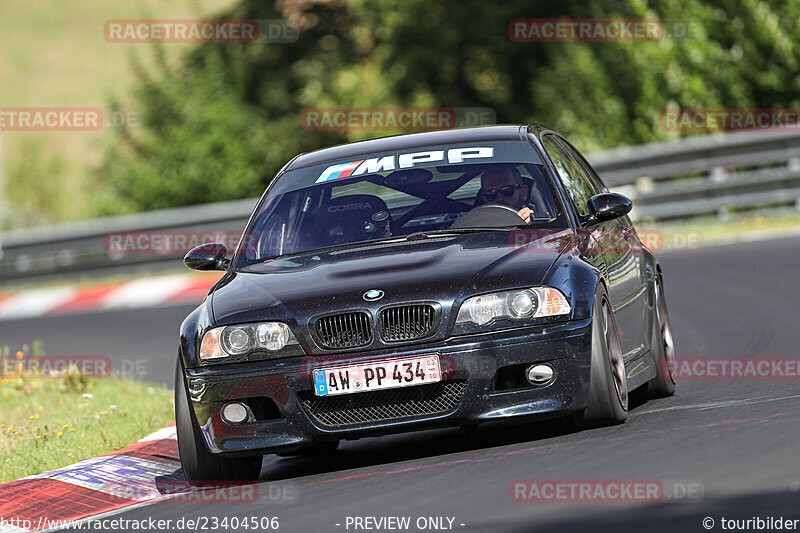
point(209, 256)
point(607, 206)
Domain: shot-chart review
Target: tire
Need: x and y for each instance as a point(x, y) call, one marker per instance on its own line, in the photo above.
point(608, 385)
point(315, 449)
point(199, 465)
point(663, 348)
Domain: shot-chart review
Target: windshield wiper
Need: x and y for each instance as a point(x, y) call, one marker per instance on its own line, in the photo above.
point(416, 236)
point(323, 249)
point(419, 235)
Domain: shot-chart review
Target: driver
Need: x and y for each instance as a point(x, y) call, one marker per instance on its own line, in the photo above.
point(502, 185)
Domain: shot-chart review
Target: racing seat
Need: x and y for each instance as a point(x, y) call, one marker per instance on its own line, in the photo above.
point(351, 218)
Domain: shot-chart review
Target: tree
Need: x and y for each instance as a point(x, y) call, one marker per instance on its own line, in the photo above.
point(220, 126)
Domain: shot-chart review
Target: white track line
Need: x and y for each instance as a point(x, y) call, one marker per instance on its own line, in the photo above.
point(35, 302)
point(145, 292)
point(168, 432)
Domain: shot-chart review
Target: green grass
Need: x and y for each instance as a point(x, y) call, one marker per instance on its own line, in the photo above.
point(54, 54)
point(51, 423)
point(709, 231)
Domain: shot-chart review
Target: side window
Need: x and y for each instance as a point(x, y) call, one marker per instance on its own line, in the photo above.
point(272, 233)
point(584, 166)
point(579, 184)
point(599, 186)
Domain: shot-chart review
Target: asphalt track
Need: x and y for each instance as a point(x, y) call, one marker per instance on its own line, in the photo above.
point(736, 439)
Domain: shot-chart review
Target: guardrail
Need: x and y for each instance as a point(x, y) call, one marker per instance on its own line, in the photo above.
point(666, 181)
point(82, 246)
point(707, 175)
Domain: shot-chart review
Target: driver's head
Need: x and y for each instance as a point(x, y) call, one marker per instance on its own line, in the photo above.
point(502, 184)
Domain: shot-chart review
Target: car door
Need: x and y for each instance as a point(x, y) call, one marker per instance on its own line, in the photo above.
point(632, 272)
point(610, 246)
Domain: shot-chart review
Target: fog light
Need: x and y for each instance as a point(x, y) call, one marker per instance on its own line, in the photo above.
point(540, 374)
point(235, 412)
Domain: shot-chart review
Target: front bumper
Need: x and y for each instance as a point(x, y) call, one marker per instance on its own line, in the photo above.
point(479, 364)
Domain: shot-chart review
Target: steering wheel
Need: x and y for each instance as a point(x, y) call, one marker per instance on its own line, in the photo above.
point(488, 215)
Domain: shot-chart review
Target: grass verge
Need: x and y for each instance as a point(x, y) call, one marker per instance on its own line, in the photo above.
point(699, 233)
point(47, 423)
point(54, 54)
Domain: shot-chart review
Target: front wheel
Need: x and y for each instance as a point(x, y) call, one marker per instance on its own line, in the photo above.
point(200, 465)
point(608, 385)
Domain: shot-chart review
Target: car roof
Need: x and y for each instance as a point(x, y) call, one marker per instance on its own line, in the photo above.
point(412, 141)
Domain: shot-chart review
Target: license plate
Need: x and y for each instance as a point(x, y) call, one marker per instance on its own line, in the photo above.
point(389, 374)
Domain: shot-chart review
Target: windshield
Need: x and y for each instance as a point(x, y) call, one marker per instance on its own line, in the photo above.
point(342, 210)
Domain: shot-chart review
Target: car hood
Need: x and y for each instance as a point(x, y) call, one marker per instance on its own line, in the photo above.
point(445, 269)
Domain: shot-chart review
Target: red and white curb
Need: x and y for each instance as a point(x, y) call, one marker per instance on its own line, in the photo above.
point(91, 487)
point(145, 292)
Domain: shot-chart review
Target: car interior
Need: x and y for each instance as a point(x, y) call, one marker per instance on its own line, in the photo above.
point(382, 205)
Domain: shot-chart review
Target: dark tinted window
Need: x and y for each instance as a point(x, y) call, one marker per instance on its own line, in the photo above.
point(580, 185)
point(586, 170)
point(392, 204)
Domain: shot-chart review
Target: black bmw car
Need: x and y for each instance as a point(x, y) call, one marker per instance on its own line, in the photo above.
point(438, 279)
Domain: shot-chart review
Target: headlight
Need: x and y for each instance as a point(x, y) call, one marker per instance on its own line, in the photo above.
point(237, 340)
point(273, 335)
point(517, 304)
point(245, 338)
